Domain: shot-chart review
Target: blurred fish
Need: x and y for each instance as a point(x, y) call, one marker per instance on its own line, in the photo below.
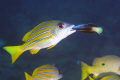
point(103, 66)
point(45, 72)
point(111, 77)
point(88, 28)
point(45, 35)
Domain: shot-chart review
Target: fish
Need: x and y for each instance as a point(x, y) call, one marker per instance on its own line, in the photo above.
point(45, 35)
point(88, 28)
point(101, 66)
point(111, 77)
point(44, 72)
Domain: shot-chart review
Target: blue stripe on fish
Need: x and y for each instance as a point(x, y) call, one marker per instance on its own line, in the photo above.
point(55, 75)
point(110, 78)
point(39, 35)
point(42, 29)
point(45, 24)
point(41, 39)
point(47, 69)
point(47, 73)
point(41, 78)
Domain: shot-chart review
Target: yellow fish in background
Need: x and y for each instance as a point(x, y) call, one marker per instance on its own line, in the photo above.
point(103, 66)
point(45, 35)
point(111, 77)
point(45, 72)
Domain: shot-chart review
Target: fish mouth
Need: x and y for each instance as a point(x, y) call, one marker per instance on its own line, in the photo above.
point(72, 28)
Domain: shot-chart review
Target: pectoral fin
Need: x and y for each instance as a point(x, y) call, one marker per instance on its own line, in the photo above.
point(95, 77)
point(118, 70)
point(50, 47)
point(34, 51)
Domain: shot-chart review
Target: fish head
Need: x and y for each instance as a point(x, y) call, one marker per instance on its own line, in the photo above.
point(105, 64)
point(63, 29)
point(57, 76)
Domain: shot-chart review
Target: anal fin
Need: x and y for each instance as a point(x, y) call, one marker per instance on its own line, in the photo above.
point(50, 47)
point(34, 51)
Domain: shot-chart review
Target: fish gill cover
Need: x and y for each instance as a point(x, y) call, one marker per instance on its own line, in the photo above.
point(20, 16)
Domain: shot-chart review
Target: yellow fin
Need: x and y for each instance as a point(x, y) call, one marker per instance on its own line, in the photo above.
point(28, 77)
point(84, 69)
point(34, 51)
point(95, 77)
point(50, 47)
point(15, 52)
point(26, 36)
point(118, 70)
point(91, 78)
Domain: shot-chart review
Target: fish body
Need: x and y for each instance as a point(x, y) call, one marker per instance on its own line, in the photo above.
point(106, 65)
point(45, 72)
point(111, 77)
point(45, 35)
point(88, 28)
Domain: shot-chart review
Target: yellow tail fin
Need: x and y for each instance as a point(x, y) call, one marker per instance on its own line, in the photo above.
point(85, 71)
point(28, 77)
point(15, 52)
point(91, 78)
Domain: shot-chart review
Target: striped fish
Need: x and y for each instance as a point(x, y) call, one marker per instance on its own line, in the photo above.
point(45, 35)
point(45, 72)
point(111, 77)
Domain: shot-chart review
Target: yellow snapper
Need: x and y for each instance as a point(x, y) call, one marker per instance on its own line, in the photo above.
point(106, 65)
point(111, 77)
point(45, 35)
point(45, 72)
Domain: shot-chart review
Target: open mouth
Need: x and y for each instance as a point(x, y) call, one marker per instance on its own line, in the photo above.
point(72, 30)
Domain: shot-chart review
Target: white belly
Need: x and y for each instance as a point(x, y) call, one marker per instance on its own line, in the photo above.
point(46, 43)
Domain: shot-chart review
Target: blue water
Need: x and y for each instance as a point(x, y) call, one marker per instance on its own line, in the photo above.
point(17, 17)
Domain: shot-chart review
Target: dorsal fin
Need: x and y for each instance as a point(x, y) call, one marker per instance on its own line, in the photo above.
point(26, 36)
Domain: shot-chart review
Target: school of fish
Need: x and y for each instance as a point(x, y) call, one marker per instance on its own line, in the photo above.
point(48, 34)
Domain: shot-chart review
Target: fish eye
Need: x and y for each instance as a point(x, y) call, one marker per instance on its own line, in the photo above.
point(103, 64)
point(61, 25)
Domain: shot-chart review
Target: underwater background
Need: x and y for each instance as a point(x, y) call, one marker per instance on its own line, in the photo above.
point(17, 17)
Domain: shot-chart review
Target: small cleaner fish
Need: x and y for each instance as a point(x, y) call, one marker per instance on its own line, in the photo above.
point(45, 35)
point(45, 72)
point(88, 28)
point(103, 66)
